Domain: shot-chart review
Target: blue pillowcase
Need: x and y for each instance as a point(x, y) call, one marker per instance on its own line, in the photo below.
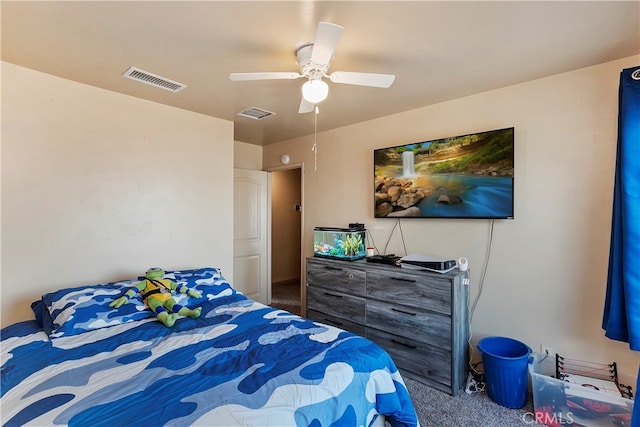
point(73, 311)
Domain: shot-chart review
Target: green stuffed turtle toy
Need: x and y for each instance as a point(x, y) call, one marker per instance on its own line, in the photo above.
point(156, 293)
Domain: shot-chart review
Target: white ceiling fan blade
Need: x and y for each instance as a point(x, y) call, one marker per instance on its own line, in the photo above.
point(327, 36)
point(363, 79)
point(237, 77)
point(305, 106)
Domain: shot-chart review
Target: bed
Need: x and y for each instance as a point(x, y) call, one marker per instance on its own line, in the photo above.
point(83, 363)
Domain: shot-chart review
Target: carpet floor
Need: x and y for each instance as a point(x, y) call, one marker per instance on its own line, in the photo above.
point(286, 296)
point(438, 409)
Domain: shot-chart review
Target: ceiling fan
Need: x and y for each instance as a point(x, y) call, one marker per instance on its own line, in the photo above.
point(313, 59)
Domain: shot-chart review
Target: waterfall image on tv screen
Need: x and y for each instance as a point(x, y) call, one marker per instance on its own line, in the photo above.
point(467, 176)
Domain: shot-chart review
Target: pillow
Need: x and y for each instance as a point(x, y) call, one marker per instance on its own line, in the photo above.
point(208, 281)
point(43, 317)
point(84, 308)
point(73, 311)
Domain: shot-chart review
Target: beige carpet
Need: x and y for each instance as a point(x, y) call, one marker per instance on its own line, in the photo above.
point(438, 409)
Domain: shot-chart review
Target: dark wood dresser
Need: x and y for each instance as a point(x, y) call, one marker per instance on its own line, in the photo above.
point(420, 318)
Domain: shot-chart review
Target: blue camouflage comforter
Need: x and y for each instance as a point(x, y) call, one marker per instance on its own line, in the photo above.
point(82, 363)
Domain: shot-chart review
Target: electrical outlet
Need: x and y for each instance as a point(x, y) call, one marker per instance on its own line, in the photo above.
point(547, 349)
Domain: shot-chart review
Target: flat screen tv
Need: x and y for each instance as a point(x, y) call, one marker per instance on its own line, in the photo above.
point(467, 176)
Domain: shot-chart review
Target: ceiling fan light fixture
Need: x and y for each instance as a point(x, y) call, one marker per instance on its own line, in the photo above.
point(315, 91)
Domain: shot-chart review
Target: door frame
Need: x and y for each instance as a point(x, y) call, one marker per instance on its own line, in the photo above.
point(303, 288)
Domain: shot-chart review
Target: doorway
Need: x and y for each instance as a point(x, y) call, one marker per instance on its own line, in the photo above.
point(286, 238)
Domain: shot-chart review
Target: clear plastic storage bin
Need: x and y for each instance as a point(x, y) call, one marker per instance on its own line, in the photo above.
point(558, 402)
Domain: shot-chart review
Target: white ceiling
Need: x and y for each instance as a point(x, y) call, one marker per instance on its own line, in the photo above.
point(438, 50)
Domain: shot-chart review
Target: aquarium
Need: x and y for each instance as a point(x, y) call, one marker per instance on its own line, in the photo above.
point(339, 243)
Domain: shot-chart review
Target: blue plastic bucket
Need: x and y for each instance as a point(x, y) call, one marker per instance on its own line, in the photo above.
point(505, 370)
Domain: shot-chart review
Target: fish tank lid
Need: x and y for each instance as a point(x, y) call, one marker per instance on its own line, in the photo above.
point(338, 229)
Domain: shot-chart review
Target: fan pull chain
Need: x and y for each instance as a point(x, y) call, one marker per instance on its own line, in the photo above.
point(315, 138)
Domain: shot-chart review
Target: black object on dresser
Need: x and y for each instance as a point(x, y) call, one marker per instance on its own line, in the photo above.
point(420, 318)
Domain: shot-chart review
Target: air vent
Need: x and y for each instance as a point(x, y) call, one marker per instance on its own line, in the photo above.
point(145, 77)
point(256, 113)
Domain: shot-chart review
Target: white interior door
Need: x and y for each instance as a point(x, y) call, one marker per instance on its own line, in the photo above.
point(252, 234)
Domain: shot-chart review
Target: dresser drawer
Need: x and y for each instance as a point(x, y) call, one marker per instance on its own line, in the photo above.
point(336, 304)
point(424, 326)
point(336, 321)
point(422, 292)
point(336, 278)
point(416, 357)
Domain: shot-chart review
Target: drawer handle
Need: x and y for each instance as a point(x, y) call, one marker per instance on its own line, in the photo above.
point(404, 344)
point(332, 322)
point(402, 279)
point(332, 295)
point(402, 311)
point(332, 268)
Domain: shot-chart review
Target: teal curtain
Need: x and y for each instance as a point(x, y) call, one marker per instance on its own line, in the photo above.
point(621, 319)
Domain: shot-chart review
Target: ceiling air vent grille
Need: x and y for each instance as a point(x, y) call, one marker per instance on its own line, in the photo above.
point(145, 77)
point(256, 113)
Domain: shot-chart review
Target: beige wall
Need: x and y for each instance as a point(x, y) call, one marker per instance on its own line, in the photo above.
point(98, 186)
point(247, 156)
point(546, 275)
